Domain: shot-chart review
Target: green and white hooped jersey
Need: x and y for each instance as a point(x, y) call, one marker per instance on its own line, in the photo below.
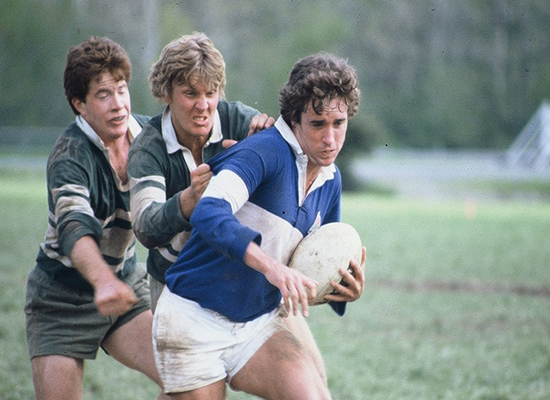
point(85, 197)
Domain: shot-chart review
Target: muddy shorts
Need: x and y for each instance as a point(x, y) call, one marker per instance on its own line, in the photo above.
point(64, 321)
point(195, 346)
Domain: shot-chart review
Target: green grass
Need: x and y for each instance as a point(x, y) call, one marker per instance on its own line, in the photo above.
point(393, 343)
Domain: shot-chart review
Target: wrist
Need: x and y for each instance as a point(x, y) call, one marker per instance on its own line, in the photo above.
point(187, 202)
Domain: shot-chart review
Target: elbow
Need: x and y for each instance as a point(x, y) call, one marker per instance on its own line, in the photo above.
point(145, 239)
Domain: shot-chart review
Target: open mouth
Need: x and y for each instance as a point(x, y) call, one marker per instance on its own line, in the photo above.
point(118, 119)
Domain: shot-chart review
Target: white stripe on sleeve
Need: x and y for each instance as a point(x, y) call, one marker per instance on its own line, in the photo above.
point(229, 186)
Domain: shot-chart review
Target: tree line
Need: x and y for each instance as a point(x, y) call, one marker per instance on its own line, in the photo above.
point(433, 73)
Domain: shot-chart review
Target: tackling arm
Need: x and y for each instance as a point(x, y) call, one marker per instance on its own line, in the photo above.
point(112, 297)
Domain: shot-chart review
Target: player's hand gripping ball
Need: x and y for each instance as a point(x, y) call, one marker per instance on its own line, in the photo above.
point(322, 253)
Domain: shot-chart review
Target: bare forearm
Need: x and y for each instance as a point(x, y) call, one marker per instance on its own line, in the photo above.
point(293, 285)
point(188, 201)
point(112, 297)
point(190, 196)
point(87, 260)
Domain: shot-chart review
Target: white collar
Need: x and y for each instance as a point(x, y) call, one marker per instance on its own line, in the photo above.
point(169, 133)
point(326, 173)
point(134, 129)
point(290, 138)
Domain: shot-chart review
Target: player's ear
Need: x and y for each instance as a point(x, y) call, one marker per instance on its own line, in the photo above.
point(78, 104)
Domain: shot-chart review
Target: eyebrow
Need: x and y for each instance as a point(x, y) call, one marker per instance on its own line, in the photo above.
point(108, 88)
point(102, 90)
point(123, 84)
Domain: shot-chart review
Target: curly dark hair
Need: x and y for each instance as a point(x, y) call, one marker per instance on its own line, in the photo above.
point(318, 78)
point(88, 61)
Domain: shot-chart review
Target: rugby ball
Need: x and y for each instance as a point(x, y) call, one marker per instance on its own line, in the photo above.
point(322, 253)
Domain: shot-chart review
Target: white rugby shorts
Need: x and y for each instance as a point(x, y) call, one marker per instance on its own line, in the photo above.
point(195, 346)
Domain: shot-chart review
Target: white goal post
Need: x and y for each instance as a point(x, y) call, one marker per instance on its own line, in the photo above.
point(531, 148)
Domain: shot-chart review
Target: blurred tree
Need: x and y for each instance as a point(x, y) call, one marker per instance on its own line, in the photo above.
point(433, 73)
point(33, 49)
point(31, 63)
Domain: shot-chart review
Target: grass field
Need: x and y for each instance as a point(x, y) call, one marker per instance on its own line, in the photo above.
point(456, 304)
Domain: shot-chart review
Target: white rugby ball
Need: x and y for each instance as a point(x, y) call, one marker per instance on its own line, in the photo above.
point(322, 253)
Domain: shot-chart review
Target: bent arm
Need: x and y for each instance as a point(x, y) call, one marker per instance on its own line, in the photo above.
point(215, 221)
point(296, 288)
point(354, 279)
point(190, 196)
point(155, 219)
point(157, 215)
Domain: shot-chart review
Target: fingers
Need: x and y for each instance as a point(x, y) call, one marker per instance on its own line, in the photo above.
point(260, 122)
point(115, 299)
point(229, 142)
point(297, 297)
point(200, 178)
point(345, 290)
point(359, 270)
point(300, 294)
point(190, 196)
point(203, 170)
point(297, 290)
point(293, 285)
point(307, 295)
point(353, 282)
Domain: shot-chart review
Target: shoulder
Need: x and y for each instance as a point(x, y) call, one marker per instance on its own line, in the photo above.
point(150, 134)
point(235, 108)
point(148, 150)
point(72, 144)
point(259, 147)
point(335, 183)
point(74, 159)
point(141, 119)
point(268, 141)
point(235, 118)
point(337, 174)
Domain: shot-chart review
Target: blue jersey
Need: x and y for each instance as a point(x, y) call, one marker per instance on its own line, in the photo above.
point(257, 194)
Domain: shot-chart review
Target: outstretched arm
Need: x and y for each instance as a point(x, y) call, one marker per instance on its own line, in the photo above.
point(112, 297)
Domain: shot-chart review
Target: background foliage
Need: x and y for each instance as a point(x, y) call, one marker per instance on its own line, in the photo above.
point(434, 73)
